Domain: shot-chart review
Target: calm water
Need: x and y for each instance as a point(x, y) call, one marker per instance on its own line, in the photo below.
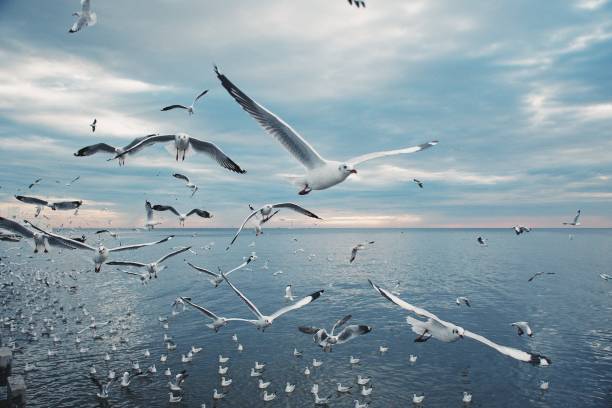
point(570, 313)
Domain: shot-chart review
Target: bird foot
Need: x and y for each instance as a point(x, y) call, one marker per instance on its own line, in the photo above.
point(305, 191)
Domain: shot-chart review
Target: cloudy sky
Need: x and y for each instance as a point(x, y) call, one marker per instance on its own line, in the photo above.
point(518, 93)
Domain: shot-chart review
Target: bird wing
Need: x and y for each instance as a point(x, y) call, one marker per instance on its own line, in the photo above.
point(206, 271)
point(354, 253)
point(197, 98)
point(340, 323)
point(213, 151)
point(508, 351)
point(128, 263)
point(201, 213)
point(352, 331)
point(102, 231)
point(85, 5)
point(167, 108)
point(78, 24)
point(371, 156)
point(289, 138)
point(181, 176)
point(171, 254)
point(242, 226)
point(299, 304)
point(242, 265)
point(66, 205)
point(95, 148)
point(15, 227)
point(144, 142)
point(298, 209)
point(403, 304)
point(246, 300)
point(158, 207)
point(140, 275)
point(576, 217)
point(136, 246)
point(308, 329)
point(31, 200)
point(137, 140)
point(63, 240)
point(149, 210)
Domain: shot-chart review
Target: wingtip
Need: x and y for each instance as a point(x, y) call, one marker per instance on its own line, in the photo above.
point(540, 360)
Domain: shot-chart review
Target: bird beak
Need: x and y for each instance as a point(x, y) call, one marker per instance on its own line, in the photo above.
point(353, 171)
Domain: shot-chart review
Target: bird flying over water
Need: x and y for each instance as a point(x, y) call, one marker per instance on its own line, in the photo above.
point(85, 17)
point(418, 183)
point(41, 240)
point(358, 248)
point(188, 182)
point(539, 274)
point(574, 223)
point(35, 182)
point(153, 268)
point(217, 278)
point(182, 216)
point(106, 148)
point(519, 229)
point(93, 125)
point(327, 340)
point(523, 328)
point(188, 108)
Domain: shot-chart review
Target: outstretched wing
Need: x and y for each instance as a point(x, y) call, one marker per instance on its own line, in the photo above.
point(31, 200)
point(352, 331)
point(509, 351)
point(246, 300)
point(299, 304)
point(201, 213)
point(15, 227)
point(171, 254)
point(127, 263)
point(136, 246)
point(242, 226)
point(403, 304)
point(213, 151)
point(206, 271)
point(158, 207)
point(340, 323)
point(197, 98)
point(64, 240)
point(289, 138)
point(145, 141)
point(371, 156)
point(181, 176)
point(298, 209)
point(95, 148)
point(308, 329)
point(167, 108)
point(576, 217)
point(200, 308)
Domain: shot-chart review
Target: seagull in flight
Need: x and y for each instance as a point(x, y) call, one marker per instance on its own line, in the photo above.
point(182, 217)
point(35, 182)
point(217, 321)
point(519, 229)
point(448, 332)
point(106, 148)
point(266, 213)
point(464, 300)
point(574, 223)
point(327, 340)
point(182, 144)
point(188, 182)
point(101, 253)
point(217, 279)
point(188, 108)
point(153, 268)
point(40, 203)
point(358, 248)
point(264, 321)
point(481, 241)
point(93, 125)
point(539, 274)
point(41, 240)
point(85, 17)
point(358, 3)
point(418, 183)
point(320, 173)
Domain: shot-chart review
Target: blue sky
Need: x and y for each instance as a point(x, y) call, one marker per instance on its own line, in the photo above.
point(519, 94)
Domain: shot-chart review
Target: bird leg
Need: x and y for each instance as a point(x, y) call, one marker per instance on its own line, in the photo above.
point(423, 337)
point(305, 190)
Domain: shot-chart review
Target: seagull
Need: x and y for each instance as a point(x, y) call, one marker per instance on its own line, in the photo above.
point(226, 383)
point(320, 173)
point(418, 183)
point(289, 388)
point(101, 253)
point(360, 405)
point(605, 276)
point(93, 125)
point(184, 143)
point(109, 232)
point(544, 385)
point(41, 240)
point(106, 148)
point(151, 222)
point(481, 241)
point(316, 363)
point(449, 332)
point(539, 274)
point(267, 209)
point(217, 279)
point(417, 399)
point(222, 359)
point(268, 397)
point(574, 223)
point(412, 358)
point(289, 294)
point(464, 300)
point(358, 248)
point(365, 391)
point(327, 340)
point(217, 321)
point(354, 360)
point(40, 203)
point(72, 181)
point(362, 380)
point(153, 267)
point(383, 349)
point(174, 399)
point(264, 321)
point(35, 182)
point(358, 3)
point(321, 401)
point(522, 327)
point(188, 108)
point(467, 397)
point(216, 395)
point(342, 388)
point(263, 385)
point(182, 217)
point(188, 182)
point(103, 387)
point(519, 229)
point(85, 17)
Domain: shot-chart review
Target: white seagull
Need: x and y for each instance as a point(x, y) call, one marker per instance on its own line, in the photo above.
point(181, 216)
point(574, 223)
point(41, 240)
point(101, 253)
point(188, 182)
point(266, 212)
point(153, 268)
point(522, 328)
point(520, 229)
point(217, 321)
point(58, 205)
point(327, 340)
point(464, 300)
point(217, 279)
point(85, 17)
point(264, 321)
point(358, 248)
point(106, 148)
point(289, 294)
point(189, 108)
point(320, 173)
point(449, 332)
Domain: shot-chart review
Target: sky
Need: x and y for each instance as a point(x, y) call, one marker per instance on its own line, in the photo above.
point(518, 93)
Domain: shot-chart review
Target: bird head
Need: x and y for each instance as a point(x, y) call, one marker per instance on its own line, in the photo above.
point(346, 169)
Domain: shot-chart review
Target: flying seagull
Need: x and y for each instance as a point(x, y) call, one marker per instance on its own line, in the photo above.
point(358, 248)
point(327, 340)
point(217, 321)
point(217, 279)
point(266, 213)
point(106, 148)
point(464, 300)
point(481, 241)
point(41, 240)
point(538, 274)
point(188, 182)
point(575, 222)
point(519, 229)
point(264, 321)
point(93, 125)
point(184, 143)
point(605, 276)
point(182, 217)
point(58, 205)
point(151, 222)
point(320, 173)
point(35, 182)
point(85, 17)
point(154, 267)
point(101, 253)
point(448, 332)
point(523, 328)
point(418, 183)
point(188, 108)
point(358, 3)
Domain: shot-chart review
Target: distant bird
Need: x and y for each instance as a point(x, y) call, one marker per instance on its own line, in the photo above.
point(362, 380)
point(383, 349)
point(605, 276)
point(343, 388)
point(448, 332)
point(417, 399)
point(544, 385)
point(151, 222)
point(359, 404)
point(182, 217)
point(358, 3)
point(266, 211)
point(188, 182)
point(93, 125)
point(217, 395)
point(418, 183)
point(217, 321)
point(289, 294)
point(481, 241)
point(189, 108)
point(268, 397)
point(358, 248)
point(539, 274)
point(289, 388)
point(464, 300)
point(574, 223)
point(85, 17)
point(153, 268)
point(519, 229)
point(327, 340)
point(320, 173)
point(523, 328)
point(467, 397)
point(217, 279)
point(412, 358)
point(106, 148)
point(106, 231)
point(103, 388)
point(182, 144)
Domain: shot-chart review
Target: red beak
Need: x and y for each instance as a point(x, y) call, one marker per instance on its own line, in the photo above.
point(353, 171)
